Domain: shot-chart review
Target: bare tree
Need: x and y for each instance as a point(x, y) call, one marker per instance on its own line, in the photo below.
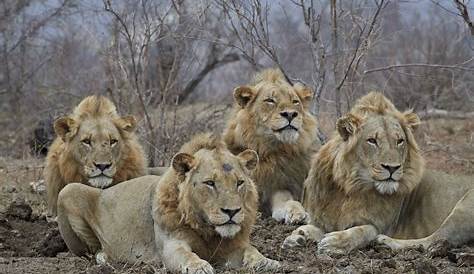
point(155, 48)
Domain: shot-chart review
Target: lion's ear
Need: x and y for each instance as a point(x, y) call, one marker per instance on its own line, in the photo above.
point(243, 95)
point(65, 128)
point(412, 119)
point(347, 125)
point(183, 162)
point(127, 123)
point(249, 158)
point(305, 93)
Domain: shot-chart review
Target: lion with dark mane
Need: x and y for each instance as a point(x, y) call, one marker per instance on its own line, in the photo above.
point(200, 211)
point(271, 116)
point(94, 146)
point(369, 182)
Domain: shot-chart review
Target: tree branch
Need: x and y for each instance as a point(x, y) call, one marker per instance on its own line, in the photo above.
point(419, 65)
point(462, 7)
point(228, 58)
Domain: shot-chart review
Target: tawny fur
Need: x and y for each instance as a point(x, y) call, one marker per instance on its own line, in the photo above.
point(336, 200)
point(282, 166)
point(174, 211)
point(62, 168)
point(176, 218)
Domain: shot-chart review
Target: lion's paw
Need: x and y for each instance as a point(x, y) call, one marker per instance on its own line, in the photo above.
point(264, 264)
point(101, 258)
point(198, 267)
point(293, 241)
point(339, 242)
point(293, 213)
point(396, 244)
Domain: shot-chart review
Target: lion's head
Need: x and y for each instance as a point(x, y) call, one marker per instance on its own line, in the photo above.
point(376, 148)
point(214, 191)
point(95, 137)
point(273, 109)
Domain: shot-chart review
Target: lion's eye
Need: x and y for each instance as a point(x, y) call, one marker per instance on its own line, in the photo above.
point(269, 100)
point(240, 183)
point(86, 141)
point(372, 141)
point(209, 183)
point(400, 141)
point(113, 142)
point(296, 102)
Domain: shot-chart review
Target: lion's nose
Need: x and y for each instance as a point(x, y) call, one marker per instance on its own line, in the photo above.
point(231, 212)
point(391, 168)
point(102, 166)
point(289, 115)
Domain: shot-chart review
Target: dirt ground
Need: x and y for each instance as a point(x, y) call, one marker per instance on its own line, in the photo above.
point(29, 244)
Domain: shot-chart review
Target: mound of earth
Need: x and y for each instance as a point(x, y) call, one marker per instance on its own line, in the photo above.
point(23, 234)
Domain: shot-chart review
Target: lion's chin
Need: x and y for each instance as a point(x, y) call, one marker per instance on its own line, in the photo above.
point(386, 187)
point(228, 231)
point(287, 136)
point(100, 181)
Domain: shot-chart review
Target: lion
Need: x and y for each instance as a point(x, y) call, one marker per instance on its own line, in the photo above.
point(271, 117)
point(369, 182)
point(94, 146)
point(200, 211)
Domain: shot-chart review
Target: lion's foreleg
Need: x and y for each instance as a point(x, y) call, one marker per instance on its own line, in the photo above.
point(458, 228)
point(303, 234)
point(346, 240)
point(254, 260)
point(178, 256)
point(75, 203)
point(285, 208)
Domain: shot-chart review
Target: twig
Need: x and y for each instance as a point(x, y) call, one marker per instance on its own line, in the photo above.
point(419, 65)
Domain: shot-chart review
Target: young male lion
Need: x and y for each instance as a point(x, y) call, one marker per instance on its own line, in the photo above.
point(271, 117)
point(202, 209)
point(369, 179)
point(94, 146)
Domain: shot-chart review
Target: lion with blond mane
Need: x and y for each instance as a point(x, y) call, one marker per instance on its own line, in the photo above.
point(200, 211)
point(94, 146)
point(370, 180)
point(271, 117)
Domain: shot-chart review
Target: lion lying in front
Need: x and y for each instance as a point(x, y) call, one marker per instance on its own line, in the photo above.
point(201, 210)
point(369, 179)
